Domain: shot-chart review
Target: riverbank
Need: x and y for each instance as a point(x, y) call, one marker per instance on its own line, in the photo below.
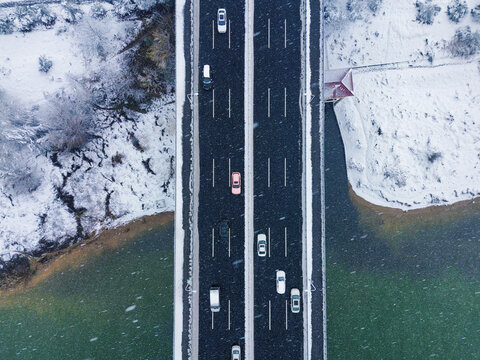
point(41, 268)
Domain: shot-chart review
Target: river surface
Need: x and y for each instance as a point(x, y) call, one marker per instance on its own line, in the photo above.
point(405, 290)
point(116, 305)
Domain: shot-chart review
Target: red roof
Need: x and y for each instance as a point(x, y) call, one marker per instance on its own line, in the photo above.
point(338, 84)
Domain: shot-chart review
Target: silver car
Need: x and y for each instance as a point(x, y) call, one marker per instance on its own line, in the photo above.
point(236, 352)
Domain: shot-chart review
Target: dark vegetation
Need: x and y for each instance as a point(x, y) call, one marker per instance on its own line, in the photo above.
point(457, 10)
point(426, 11)
point(465, 43)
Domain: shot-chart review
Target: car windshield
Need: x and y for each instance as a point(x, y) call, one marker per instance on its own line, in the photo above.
point(281, 278)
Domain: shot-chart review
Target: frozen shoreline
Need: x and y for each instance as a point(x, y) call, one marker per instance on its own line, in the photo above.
point(412, 132)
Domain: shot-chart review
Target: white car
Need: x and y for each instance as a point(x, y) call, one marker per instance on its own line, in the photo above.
point(281, 281)
point(222, 21)
point(236, 352)
point(261, 245)
point(295, 300)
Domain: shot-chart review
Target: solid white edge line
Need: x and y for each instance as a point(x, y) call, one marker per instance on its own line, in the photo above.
point(322, 178)
point(249, 189)
point(213, 34)
point(180, 95)
point(307, 242)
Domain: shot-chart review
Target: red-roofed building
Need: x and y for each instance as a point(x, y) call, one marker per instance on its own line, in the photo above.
point(338, 84)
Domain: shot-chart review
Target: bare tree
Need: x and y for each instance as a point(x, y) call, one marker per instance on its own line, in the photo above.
point(69, 120)
point(18, 170)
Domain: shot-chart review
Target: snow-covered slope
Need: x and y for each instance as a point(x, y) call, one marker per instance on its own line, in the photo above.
point(412, 131)
point(125, 171)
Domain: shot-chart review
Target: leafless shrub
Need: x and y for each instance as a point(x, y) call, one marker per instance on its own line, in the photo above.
point(70, 120)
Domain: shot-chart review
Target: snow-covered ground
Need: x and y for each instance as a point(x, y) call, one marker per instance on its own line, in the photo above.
point(412, 131)
point(124, 172)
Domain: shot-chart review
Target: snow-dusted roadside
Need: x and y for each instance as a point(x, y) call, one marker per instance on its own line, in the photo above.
point(124, 172)
point(412, 131)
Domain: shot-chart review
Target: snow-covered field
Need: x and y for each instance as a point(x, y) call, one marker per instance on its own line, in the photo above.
point(125, 171)
point(412, 131)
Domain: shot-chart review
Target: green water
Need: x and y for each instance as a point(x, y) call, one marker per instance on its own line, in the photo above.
point(82, 313)
point(413, 293)
point(395, 316)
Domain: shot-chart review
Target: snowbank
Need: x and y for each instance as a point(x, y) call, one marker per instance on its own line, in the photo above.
point(412, 131)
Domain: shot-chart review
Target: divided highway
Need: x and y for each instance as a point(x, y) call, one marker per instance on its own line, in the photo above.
point(251, 121)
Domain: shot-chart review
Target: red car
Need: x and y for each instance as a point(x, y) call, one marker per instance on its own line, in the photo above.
point(236, 183)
